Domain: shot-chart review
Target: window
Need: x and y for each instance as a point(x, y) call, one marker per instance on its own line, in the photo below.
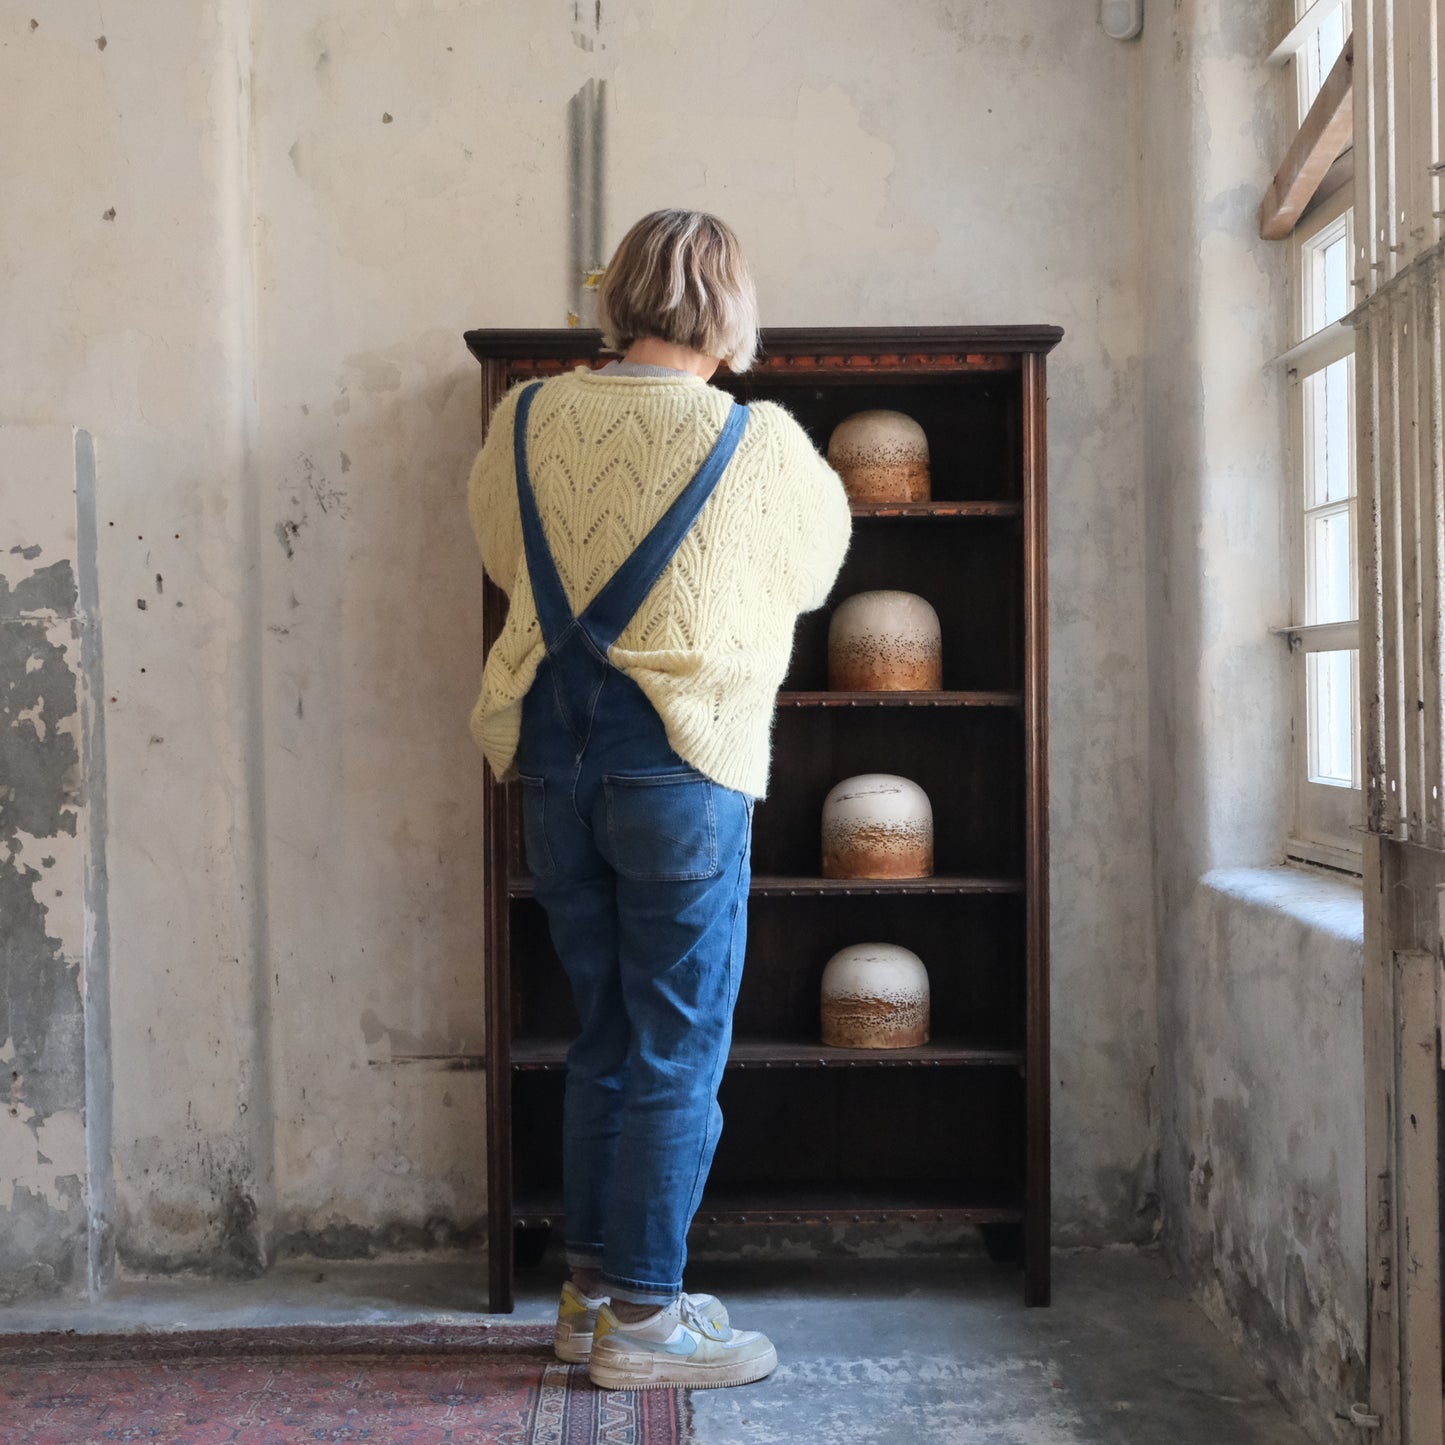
point(1324, 635)
point(1322, 29)
point(1324, 630)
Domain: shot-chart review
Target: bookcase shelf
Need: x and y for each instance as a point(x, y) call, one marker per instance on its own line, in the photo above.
point(901, 699)
point(953, 1132)
point(921, 1201)
point(545, 1053)
point(767, 885)
point(910, 510)
point(905, 1201)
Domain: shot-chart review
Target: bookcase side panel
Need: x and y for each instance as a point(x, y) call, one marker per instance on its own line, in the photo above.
point(1036, 643)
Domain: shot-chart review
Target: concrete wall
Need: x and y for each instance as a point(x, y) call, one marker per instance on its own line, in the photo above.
point(125, 306)
point(264, 341)
point(380, 237)
point(1260, 1035)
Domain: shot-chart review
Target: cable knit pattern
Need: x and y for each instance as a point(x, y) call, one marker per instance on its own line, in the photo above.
point(710, 645)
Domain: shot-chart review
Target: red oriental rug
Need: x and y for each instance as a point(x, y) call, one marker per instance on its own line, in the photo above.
point(422, 1384)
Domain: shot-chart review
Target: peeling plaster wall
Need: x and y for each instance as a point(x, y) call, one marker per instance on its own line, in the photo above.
point(125, 302)
point(1260, 1033)
point(252, 234)
point(43, 1204)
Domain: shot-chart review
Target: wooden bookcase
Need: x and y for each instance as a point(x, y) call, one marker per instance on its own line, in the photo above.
point(956, 1131)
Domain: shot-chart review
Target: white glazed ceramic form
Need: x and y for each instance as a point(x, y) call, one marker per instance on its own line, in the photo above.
point(885, 642)
point(877, 825)
point(882, 456)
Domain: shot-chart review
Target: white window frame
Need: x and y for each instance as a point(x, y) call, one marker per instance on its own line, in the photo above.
point(1326, 817)
point(1298, 46)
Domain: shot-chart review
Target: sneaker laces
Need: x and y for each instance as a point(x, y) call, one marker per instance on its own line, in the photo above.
point(693, 1318)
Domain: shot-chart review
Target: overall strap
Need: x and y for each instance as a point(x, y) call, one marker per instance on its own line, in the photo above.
point(625, 591)
point(554, 611)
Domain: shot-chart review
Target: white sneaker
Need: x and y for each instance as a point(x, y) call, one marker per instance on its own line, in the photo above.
point(676, 1348)
point(577, 1321)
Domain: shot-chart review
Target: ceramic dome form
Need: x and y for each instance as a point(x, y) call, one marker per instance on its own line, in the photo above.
point(885, 642)
point(875, 996)
point(877, 825)
point(882, 456)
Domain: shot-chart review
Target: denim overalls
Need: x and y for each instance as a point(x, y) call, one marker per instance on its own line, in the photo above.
point(642, 865)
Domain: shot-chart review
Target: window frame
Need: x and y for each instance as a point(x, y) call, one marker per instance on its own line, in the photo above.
point(1325, 817)
point(1310, 74)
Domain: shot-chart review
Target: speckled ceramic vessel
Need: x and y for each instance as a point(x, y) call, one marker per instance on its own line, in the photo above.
point(885, 642)
point(877, 825)
point(875, 996)
point(882, 456)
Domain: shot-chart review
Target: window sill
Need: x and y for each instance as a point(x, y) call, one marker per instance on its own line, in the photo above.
point(1332, 906)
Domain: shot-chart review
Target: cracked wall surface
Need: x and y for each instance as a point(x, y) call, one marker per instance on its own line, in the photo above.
point(411, 182)
point(263, 230)
point(235, 918)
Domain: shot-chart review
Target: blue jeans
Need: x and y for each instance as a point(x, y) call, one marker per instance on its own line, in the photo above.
point(642, 865)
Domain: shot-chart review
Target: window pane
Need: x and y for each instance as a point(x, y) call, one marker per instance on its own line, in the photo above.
point(1327, 408)
point(1324, 273)
point(1330, 567)
point(1331, 41)
point(1334, 283)
point(1330, 684)
point(1320, 52)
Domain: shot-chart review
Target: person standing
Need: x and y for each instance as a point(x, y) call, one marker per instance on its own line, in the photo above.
point(657, 542)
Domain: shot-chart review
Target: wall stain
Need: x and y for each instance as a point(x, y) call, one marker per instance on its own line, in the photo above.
point(376, 373)
point(329, 498)
point(286, 532)
point(357, 1241)
point(403, 1041)
point(215, 1229)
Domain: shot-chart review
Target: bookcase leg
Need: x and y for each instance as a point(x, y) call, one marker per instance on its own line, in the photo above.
point(1037, 1287)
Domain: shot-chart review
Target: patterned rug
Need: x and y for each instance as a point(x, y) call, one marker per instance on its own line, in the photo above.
point(387, 1384)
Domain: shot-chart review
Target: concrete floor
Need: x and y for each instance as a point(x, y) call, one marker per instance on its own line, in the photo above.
point(873, 1352)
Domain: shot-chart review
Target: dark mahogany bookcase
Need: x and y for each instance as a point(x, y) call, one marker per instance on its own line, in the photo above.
point(953, 1132)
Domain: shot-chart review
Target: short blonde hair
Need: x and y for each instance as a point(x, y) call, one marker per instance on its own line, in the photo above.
point(680, 276)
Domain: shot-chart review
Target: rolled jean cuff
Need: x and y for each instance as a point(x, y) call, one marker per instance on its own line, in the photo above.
point(637, 1293)
point(584, 1256)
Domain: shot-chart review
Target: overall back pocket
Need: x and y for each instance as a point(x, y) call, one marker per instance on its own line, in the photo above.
point(661, 827)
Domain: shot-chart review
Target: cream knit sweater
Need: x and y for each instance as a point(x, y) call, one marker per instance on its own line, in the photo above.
point(710, 645)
